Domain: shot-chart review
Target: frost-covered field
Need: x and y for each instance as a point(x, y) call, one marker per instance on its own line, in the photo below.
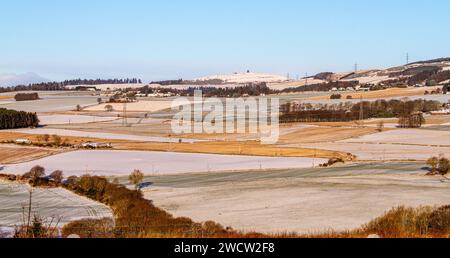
point(105, 136)
point(380, 152)
point(407, 136)
point(303, 200)
point(72, 119)
point(109, 163)
point(48, 203)
point(51, 103)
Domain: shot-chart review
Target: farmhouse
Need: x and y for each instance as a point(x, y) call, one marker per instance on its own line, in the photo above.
point(23, 141)
point(95, 145)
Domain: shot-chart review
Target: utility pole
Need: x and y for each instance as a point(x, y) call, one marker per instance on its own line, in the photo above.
point(124, 121)
point(407, 58)
point(361, 112)
point(29, 209)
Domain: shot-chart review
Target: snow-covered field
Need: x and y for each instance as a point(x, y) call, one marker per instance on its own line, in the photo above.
point(51, 103)
point(302, 201)
point(246, 78)
point(99, 135)
point(407, 136)
point(380, 152)
point(109, 163)
point(140, 106)
point(72, 119)
point(48, 203)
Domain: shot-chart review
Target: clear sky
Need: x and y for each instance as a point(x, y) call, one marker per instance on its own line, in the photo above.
point(168, 39)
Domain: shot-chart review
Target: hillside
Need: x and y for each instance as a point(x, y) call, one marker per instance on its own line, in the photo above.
point(246, 78)
point(422, 73)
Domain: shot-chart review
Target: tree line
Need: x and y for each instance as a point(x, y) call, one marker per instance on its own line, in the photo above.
point(12, 119)
point(251, 89)
point(408, 111)
point(60, 86)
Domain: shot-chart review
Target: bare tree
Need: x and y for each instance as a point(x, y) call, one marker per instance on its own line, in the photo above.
point(57, 176)
point(109, 108)
point(136, 177)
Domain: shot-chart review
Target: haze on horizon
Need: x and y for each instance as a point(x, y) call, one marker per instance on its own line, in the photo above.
point(172, 39)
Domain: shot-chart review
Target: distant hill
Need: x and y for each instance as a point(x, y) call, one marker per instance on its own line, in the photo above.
point(7, 80)
point(241, 78)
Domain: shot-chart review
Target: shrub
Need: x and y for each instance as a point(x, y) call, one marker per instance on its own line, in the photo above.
point(90, 228)
point(136, 177)
point(35, 173)
point(109, 108)
point(433, 163)
point(336, 96)
point(401, 222)
point(443, 166)
point(439, 221)
point(57, 176)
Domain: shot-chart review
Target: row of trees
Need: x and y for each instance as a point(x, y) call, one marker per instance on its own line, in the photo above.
point(409, 111)
point(189, 82)
point(26, 96)
point(251, 89)
point(11, 119)
point(60, 86)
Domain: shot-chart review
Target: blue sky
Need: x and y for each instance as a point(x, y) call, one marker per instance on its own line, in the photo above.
point(63, 39)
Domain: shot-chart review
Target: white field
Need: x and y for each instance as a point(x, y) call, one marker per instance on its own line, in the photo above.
point(246, 78)
point(407, 137)
point(380, 152)
point(99, 135)
point(122, 163)
point(399, 144)
point(55, 203)
point(140, 106)
point(302, 201)
point(72, 119)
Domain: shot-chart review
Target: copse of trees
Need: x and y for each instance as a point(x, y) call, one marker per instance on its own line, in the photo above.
point(26, 96)
point(408, 110)
point(12, 119)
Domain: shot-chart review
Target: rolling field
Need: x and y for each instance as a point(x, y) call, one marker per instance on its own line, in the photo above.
point(15, 154)
point(113, 163)
point(381, 94)
point(298, 200)
point(58, 204)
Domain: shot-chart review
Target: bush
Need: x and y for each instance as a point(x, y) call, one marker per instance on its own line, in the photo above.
point(401, 222)
point(439, 221)
point(443, 166)
point(90, 228)
point(336, 96)
point(136, 178)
